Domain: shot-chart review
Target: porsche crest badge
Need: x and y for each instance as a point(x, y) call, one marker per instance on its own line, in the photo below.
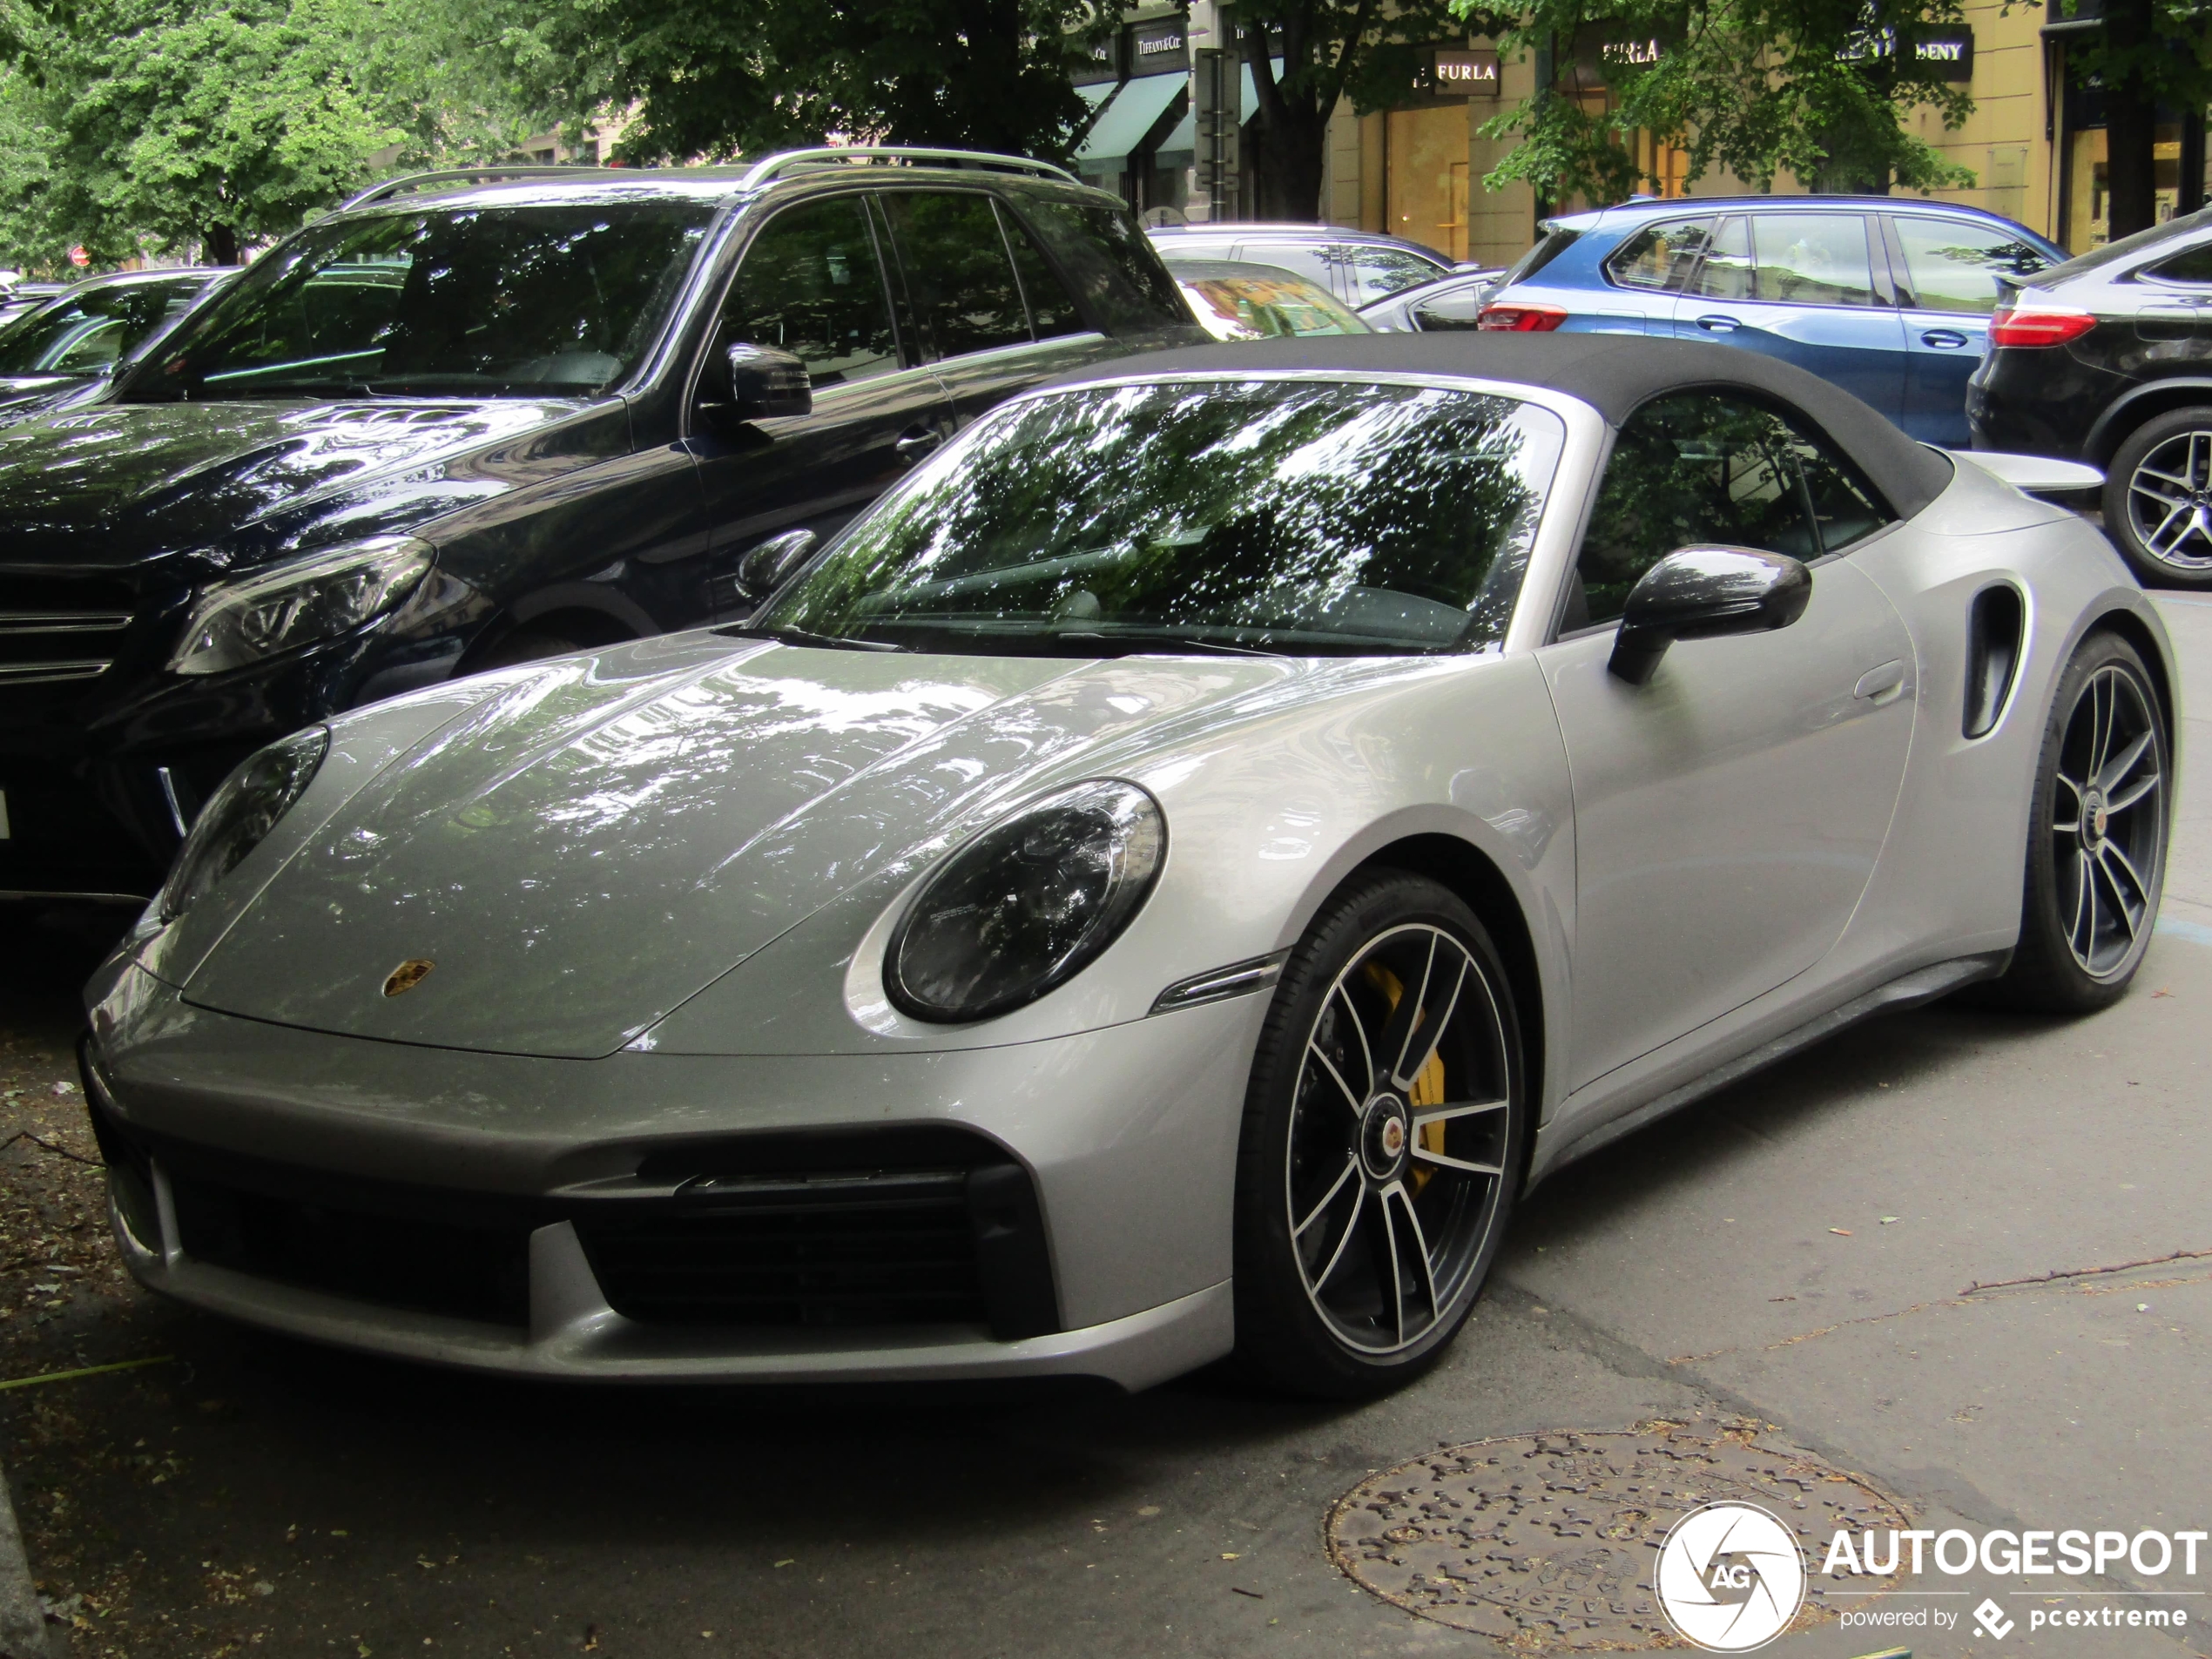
point(408, 975)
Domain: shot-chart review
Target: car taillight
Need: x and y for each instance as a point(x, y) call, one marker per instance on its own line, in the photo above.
point(1520, 319)
point(2014, 327)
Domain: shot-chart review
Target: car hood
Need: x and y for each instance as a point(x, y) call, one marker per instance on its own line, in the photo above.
point(583, 852)
point(118, 484)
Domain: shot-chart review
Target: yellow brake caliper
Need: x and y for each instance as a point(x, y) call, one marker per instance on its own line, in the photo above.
point(1428, 1087)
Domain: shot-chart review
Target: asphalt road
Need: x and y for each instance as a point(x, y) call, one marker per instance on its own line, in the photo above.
point(1793, 1254)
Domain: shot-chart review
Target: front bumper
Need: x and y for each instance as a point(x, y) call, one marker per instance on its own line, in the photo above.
point(1122, 1141)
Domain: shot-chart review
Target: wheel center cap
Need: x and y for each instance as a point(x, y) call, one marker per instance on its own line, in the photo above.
point(2096, 816)
point(1384, 1135)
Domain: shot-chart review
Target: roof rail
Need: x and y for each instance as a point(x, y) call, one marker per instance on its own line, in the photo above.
point(459, 176)
point(890, 154)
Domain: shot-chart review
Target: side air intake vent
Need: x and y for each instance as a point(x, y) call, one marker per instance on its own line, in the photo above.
point(1995, 628)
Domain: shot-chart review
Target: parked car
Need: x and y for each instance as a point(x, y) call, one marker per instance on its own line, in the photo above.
point(1356, 266)
point(1449, 303)
point(66, 351)
point(1889, 299)
point(1165, 882)
point(2107, 359)
point(1234, 301)
point(475, 418)
point(26, 296)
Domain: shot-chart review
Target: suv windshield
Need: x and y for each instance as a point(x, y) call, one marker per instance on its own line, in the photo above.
point(468, 301)
point(1272, 515)
point(83, 334)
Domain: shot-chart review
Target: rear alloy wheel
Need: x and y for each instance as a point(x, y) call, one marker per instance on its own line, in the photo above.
point(2096, 852)
point(1382, 1143)
point(2158, 500)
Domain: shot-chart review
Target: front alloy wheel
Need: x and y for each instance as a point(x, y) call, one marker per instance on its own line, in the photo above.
point(2096, 854)
point(2158, 500)
point(1382, 1141)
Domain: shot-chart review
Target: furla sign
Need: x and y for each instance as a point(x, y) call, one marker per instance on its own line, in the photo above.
point(1472, 74)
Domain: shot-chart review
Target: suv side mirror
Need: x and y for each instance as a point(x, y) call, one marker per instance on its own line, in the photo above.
point(763, 569)
point(1700, 592)
point(750, 382)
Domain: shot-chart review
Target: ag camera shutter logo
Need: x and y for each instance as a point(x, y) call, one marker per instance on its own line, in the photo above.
point(1730, 1577)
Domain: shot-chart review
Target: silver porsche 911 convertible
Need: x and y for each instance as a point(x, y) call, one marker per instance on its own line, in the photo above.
point(1158, 885)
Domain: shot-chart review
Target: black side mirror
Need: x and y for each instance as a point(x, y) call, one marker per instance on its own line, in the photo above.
point(750, 382)
point(1699, 592)
point(763, 569)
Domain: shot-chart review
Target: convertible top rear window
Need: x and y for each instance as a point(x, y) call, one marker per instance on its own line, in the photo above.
point(1280, 515)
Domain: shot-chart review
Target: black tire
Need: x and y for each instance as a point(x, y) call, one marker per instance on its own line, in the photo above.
point(2158, 500)
point(525, 645)
point(2092, 887)
point(1315, 1315)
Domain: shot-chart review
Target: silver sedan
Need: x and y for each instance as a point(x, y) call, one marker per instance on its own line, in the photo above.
point(1161, 885)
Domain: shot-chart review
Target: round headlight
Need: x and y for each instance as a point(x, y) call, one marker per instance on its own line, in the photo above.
point(1025, 905)
point(239, 816)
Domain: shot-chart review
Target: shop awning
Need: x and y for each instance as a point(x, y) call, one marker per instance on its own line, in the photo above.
point(1120, 126)
point(1186, 136)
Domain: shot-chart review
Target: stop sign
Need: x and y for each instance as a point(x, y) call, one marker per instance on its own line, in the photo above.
point(77, 256)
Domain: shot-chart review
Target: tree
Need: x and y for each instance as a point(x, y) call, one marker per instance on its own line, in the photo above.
point(1331, 50)
point(167, 125)
point(1815, 88)
point(2149, 53)
point(719, 77)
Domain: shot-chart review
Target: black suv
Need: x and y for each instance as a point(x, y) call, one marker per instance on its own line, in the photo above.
point(468, 419)
point(2107, 359)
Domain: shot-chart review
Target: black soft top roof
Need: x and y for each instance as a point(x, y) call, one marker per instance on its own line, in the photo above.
point(1612, 373)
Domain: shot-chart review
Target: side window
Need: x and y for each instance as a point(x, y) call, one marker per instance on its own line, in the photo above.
point(1660, 257)
point(1322, 266)
point(1688, 469)
point(1725, 273)
point(1954, 266)
point(1052, 308)
point(1812, 260)
point(1454, 309)
point(1111, 263)
point(810, 284)
point(958, 273)
point(1377, 273)
point(2194, 266)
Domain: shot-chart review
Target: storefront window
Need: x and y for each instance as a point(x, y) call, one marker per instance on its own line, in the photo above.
point(1428, 177)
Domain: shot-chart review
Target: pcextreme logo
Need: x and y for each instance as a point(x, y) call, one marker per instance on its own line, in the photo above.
point(1730, 1577)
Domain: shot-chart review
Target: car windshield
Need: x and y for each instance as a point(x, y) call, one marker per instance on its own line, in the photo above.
point(1252, 302)
point(1277, 515)
point(83, 334)
point(466, 302)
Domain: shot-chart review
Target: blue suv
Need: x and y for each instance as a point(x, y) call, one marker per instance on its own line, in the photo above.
point(1888, 297)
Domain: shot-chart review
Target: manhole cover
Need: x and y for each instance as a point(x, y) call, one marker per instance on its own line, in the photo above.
point(1547, 1541)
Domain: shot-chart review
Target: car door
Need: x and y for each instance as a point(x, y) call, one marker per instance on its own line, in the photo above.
point(1376, 271)
point(993, 315)
point(1800, 287)
point(1949, 275)
point(812, 282)
point(1729, 814)
point(1651, 269)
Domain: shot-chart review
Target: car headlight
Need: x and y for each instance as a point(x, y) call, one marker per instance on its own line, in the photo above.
point(238, 818)
point(298, 602)
point(1025, 905)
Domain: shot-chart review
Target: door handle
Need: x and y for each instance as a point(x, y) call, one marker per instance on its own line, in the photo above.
point(1718, 325)
point(917, 441)
point(1876, 685)
point(1944, 339)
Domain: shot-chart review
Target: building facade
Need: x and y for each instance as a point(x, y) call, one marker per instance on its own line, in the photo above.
point(2035, 142)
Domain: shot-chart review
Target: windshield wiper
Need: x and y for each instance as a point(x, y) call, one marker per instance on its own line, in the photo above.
point(1138, 643)
point(800, 637)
